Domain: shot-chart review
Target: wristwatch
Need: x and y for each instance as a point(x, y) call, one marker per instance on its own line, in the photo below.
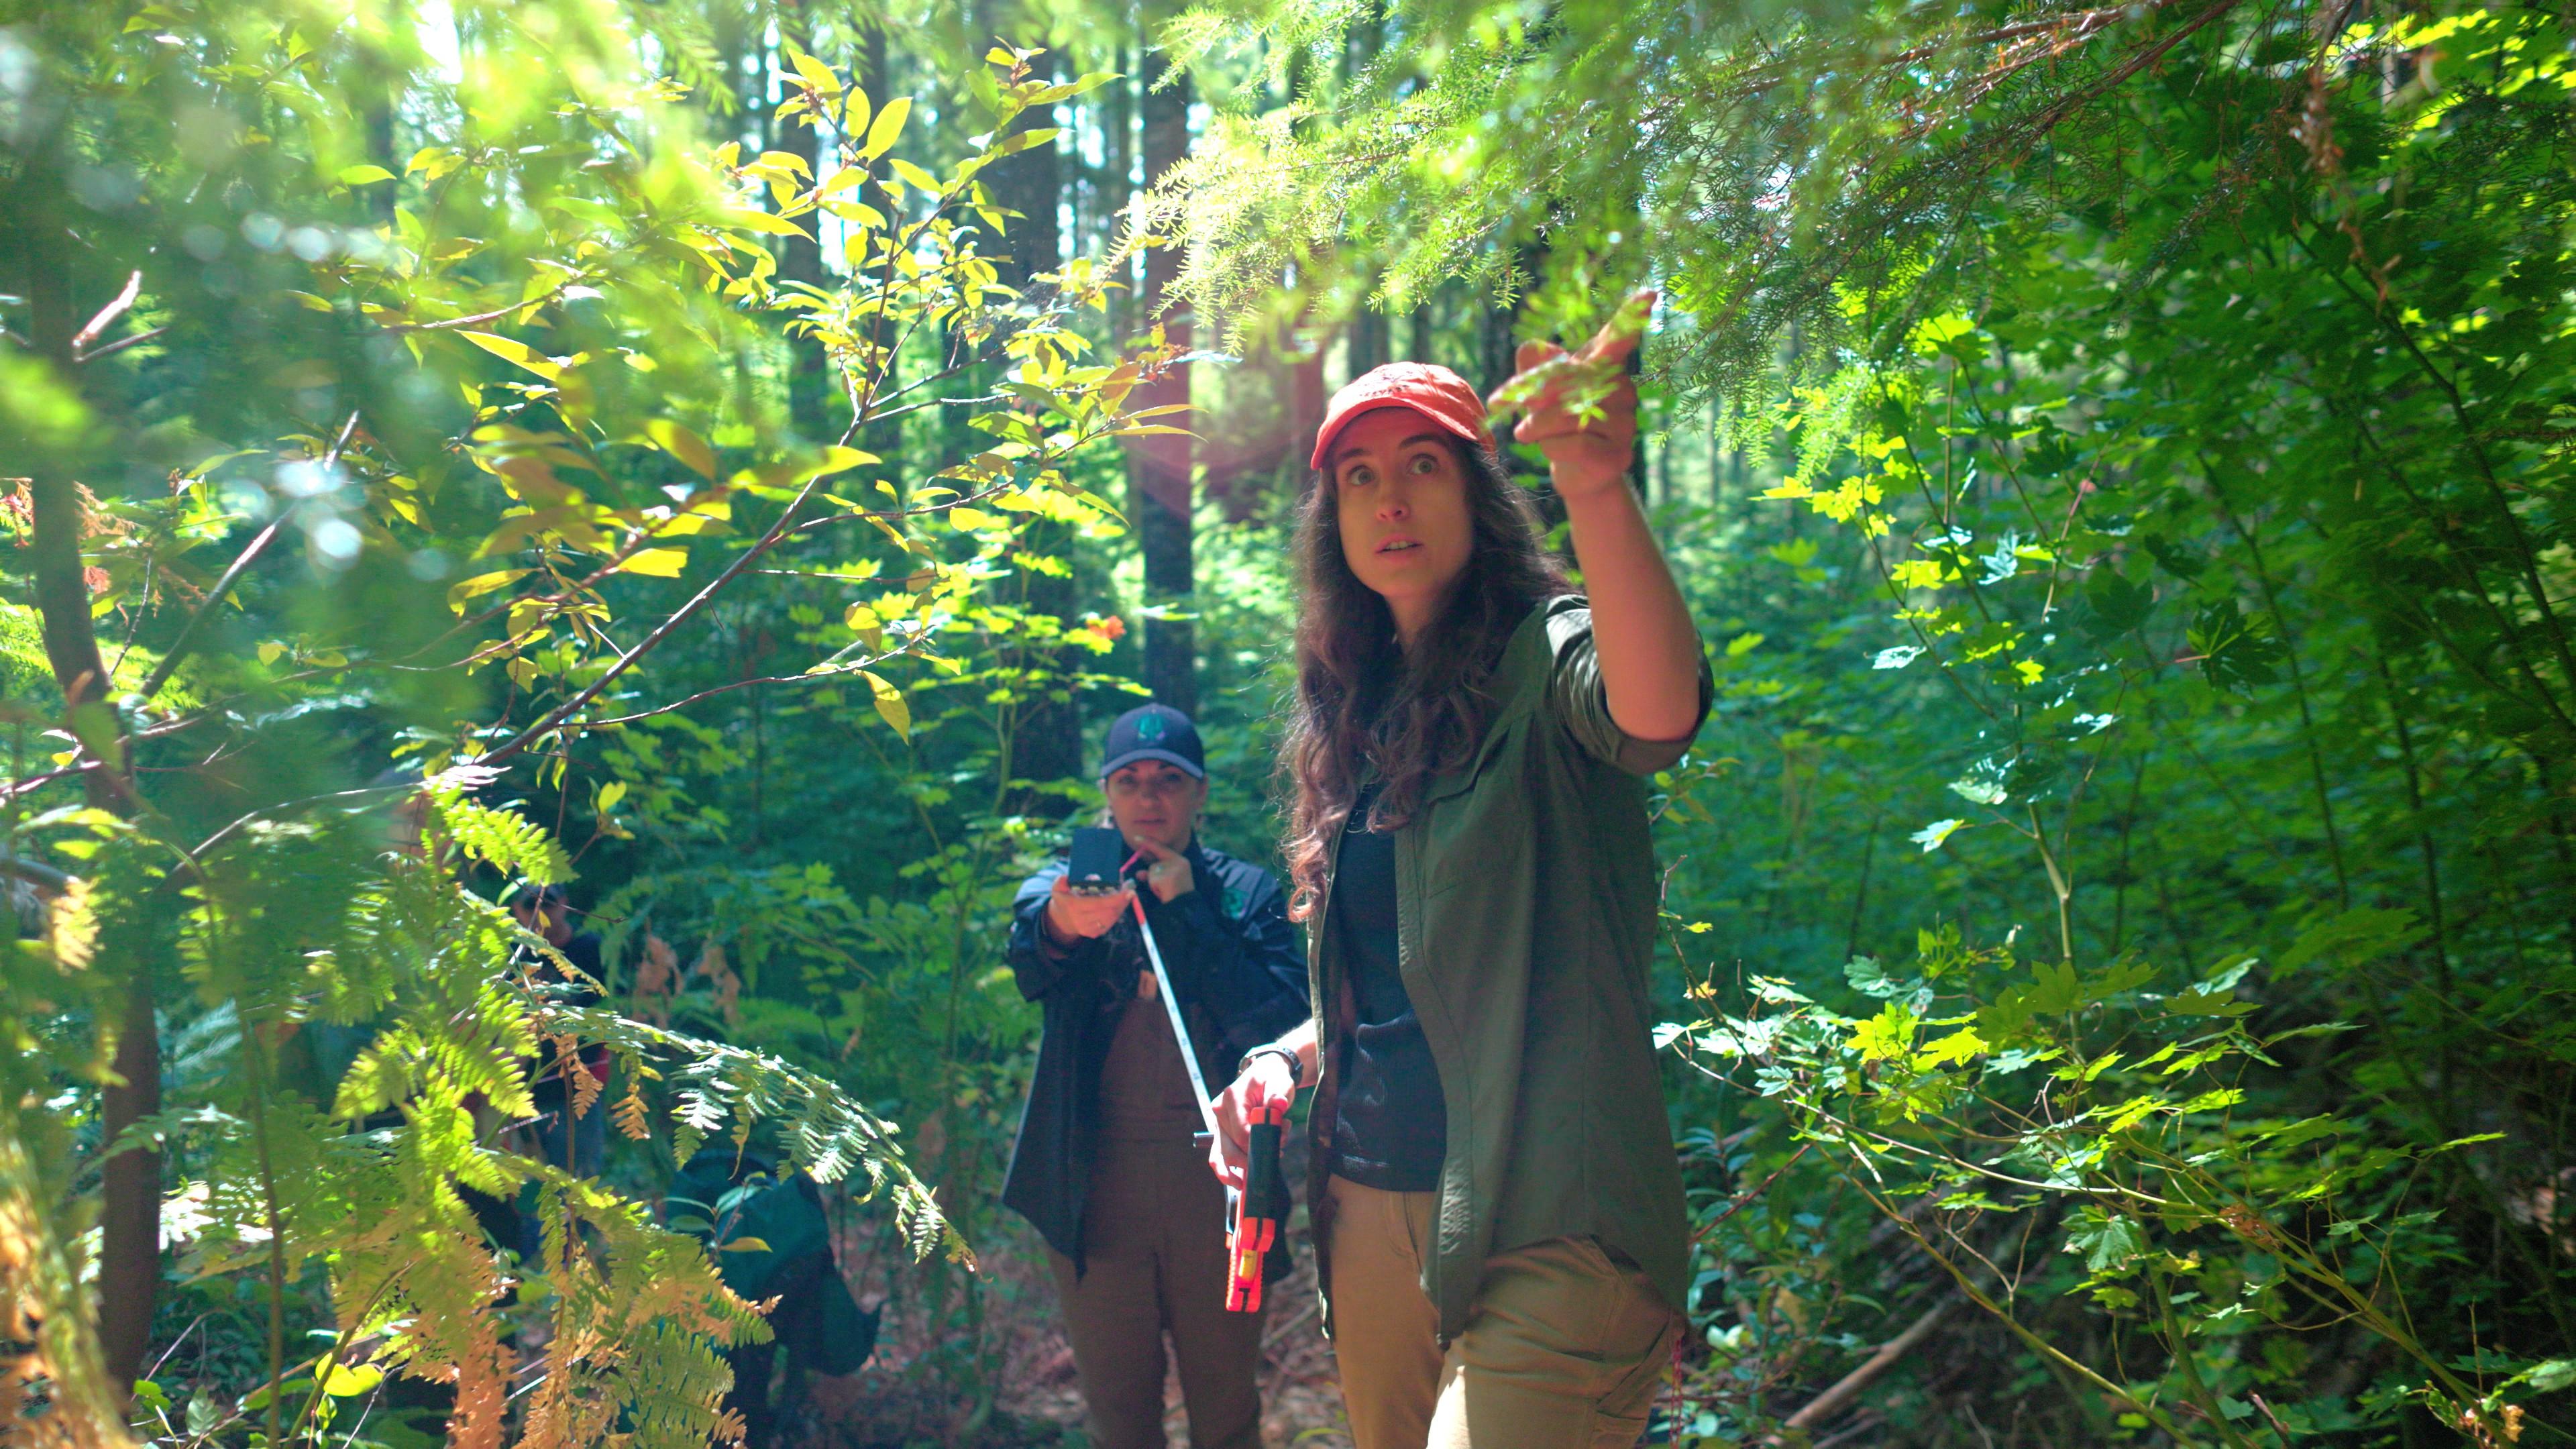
point(1296, 1068)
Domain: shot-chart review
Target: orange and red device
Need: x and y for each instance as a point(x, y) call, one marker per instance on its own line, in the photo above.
point(1259, 1210)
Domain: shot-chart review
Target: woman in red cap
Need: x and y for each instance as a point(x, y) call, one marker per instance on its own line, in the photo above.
point(1497, 1206)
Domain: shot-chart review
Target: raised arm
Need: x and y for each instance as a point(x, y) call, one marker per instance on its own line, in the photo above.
point(1648, 648)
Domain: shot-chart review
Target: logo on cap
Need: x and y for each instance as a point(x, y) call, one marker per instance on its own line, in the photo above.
point(1150, 728)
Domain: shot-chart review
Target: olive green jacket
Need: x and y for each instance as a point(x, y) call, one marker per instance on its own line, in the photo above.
point(1526, 897)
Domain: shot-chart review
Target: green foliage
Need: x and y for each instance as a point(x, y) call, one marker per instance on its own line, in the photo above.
point(464, 334)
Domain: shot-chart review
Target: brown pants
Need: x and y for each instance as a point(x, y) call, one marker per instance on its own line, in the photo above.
point(1563, 1349)
point(1154, 1250)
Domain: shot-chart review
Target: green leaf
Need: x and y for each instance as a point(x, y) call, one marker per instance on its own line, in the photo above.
point(2550, 1375)
point(363, 175)
point(2114, 606)
point(683, 444)
point(890, 702)
point(2109, 1244)
point(1888, 1035)
point(659, 563)
point(516, 352)
point(2235, 650)
point(1023, 141)
point(887, 128)
point(835, 459)
point(1959, 1046)
point(915, 176)
point(347, 1381)
point(464, 589)
point(751, 219)
point(94, 725)
point(813, 72)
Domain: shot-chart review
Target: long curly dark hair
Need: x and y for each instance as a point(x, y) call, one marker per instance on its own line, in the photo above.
point(1361, 702)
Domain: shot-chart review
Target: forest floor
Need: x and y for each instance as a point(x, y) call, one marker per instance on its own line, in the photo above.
point(1038, 1401)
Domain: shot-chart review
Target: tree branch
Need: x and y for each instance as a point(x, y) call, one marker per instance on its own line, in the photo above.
point(1823, 1407)
point(215, 596)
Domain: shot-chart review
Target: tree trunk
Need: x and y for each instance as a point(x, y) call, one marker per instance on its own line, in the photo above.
point(876, 77)
point(129, 1273)
point(1047, 745)
point(809, 383)
point(1372, 334)
point(1159, 484)
point(1372, 339)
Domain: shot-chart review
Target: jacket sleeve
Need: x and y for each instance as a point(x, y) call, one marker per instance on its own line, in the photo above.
point(1038, 968)
point(1580, 701)
point(1269, 962)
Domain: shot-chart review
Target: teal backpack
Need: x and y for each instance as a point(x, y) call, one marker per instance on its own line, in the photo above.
point(770, 1239)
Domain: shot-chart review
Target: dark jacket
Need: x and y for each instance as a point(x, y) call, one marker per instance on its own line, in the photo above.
point(1238, 969)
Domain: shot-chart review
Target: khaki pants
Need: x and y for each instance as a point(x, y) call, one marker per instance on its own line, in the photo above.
point(1154, 1259)
point(1564, 1347)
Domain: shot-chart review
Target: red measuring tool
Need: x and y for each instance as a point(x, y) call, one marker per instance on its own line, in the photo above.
point(1258, 1210)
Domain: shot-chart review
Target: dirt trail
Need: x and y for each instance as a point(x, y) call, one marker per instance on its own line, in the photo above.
point(1038, 1402)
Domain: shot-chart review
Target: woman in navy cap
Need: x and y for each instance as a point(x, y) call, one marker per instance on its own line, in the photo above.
point(1106, 1167)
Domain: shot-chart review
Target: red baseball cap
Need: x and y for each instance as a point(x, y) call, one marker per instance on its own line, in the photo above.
point(1428, 388)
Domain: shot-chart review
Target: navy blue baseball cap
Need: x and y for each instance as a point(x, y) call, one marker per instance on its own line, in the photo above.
point(1153, 732)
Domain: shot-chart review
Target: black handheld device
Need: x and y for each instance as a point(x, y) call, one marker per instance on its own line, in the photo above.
point(1098, 853)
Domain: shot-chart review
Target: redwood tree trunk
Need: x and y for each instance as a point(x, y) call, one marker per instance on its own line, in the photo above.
point(809, 384)
point(129, 1273)
point(1159, 494)
point(1048, 742)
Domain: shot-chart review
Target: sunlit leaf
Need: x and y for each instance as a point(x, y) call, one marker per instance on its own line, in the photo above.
point(660, 563)
point(516, 352)
point(684, 444)
point(887, 128)
point(890, 703)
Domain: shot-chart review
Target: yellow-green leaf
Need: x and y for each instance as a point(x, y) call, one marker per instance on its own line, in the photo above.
point(890, 703)
point(1014, 145)
point(835, 459)
point(516, 352)
point(347, 1381)
point(362, 175)
point(463, 589)
point(609, 795)
point(750, 220)
point(815, 73)
point(915, 175)
point(660, 563)
point(887, 128)
point(684, 445)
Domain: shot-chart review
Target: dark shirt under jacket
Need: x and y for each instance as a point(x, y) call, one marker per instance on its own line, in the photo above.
point(1390, 1122)
point(1237, 966)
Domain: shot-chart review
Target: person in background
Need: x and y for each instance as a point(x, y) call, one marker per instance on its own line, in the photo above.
point(1106, 1167)
point(1498, 1212)
point(577, 1144)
